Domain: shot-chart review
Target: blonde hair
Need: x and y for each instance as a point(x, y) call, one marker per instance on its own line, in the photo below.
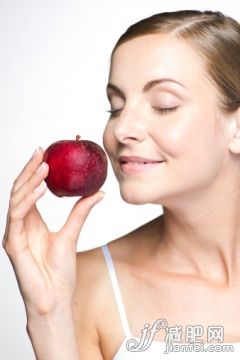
point(214, 36)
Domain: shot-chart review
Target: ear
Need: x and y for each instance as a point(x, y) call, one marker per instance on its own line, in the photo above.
point(234, 141)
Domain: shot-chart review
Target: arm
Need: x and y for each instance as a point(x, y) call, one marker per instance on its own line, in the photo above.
point(53, 335)
point(68, 332)
point(45, 263)
point(76, 330)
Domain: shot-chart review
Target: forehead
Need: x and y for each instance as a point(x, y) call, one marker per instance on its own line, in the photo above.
point(154, 56)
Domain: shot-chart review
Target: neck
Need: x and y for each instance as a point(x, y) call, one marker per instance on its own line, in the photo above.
point(202, 236)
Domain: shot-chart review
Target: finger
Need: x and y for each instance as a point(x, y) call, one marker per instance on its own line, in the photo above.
point(30, 185)
point(6, 231)
point(18, 214)
point(29, 168)
point(20, 210)
point(71, 229)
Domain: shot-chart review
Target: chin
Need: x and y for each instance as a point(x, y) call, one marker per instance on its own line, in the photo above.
point(134, 200)
point(141, 195)
point(135, 196)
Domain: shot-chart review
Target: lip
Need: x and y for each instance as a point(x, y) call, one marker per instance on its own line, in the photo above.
point(138, 159)
point(130, 165)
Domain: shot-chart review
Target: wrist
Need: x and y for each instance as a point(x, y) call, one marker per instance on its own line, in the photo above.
point(48, 312)
point(53, 335)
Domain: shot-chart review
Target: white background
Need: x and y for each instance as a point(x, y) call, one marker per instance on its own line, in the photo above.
point(54, 62)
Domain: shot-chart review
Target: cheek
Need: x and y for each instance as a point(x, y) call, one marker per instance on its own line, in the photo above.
point(188, 141)
point(108, 140)
point(176, 138)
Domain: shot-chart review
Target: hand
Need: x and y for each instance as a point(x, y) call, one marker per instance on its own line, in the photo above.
point(44, 262)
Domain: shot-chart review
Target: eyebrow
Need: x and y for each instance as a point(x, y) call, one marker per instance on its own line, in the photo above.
point(148, 86)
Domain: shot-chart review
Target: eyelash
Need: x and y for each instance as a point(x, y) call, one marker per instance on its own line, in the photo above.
point(165, 110)
point(161, 110)
point(113, 112)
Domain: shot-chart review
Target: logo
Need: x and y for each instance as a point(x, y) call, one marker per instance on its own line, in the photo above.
point(175, 341)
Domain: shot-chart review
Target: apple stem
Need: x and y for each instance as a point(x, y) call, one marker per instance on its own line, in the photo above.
point(78, 138)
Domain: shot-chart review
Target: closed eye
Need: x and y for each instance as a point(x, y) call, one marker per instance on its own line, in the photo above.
point(114, 112)
point(165, 110)
point(161, 110)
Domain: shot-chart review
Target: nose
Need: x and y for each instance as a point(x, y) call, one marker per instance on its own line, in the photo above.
point(129, 127)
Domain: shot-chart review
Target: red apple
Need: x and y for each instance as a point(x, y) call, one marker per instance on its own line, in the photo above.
point(76, 167)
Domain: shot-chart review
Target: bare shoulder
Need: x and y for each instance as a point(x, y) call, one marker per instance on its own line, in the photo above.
point(89, 278)
point(87, 302)
point(93, 295)
point(91, 266)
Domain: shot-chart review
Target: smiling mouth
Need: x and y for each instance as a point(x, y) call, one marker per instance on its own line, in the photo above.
point(140, 162)
point(131, 167)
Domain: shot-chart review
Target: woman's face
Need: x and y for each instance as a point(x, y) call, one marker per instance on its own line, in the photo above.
point(166, 137)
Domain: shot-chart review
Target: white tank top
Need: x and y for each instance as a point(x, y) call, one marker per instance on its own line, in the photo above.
point(157, 350)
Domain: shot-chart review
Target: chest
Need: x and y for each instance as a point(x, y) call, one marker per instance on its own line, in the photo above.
point(187, 305)
point(181, 309)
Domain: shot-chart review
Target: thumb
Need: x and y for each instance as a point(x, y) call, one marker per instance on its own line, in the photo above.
point(78, 215)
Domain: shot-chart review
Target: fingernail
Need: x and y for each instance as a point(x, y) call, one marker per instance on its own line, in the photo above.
point(41, 167)
point(40, 187)
point(36, 152)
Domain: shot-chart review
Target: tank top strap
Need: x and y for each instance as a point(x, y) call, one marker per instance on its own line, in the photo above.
point(116, 290)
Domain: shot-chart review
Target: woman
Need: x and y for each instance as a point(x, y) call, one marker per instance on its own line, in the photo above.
point(173, 139)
